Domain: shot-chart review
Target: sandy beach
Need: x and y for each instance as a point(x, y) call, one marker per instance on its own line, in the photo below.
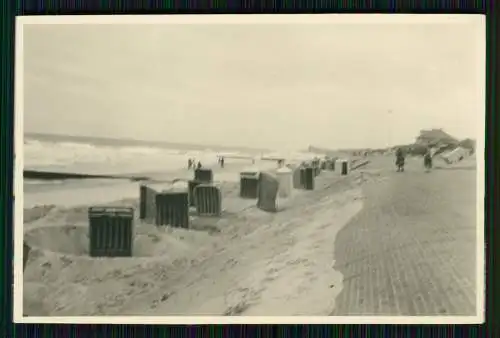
point(220, 266)
point(306, 259)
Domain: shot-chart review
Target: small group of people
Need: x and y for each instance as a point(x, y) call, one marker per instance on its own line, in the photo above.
point(192, 165)
point(400, 159)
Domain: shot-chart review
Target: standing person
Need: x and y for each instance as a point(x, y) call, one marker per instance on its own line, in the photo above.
point(428, 159)
point(199, 165)
point(190, 163)
point(222, 162)
point(400, 159)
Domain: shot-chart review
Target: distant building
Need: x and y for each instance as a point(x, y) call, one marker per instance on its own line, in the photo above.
point(435, 137)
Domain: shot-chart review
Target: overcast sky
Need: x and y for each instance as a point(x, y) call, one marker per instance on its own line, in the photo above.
point(265, 85)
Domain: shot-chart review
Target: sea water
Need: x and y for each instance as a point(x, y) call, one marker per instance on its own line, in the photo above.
point(104, 157)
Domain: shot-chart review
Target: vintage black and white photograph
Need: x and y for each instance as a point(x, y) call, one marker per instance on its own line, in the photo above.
point(321, 168)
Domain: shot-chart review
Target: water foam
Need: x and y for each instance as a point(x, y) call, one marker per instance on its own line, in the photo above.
point(101, 159)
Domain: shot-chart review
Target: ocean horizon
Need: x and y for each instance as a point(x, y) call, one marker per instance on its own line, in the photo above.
point(111, 141)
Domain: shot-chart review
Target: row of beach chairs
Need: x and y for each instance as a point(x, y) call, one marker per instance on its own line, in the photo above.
point(111, 231)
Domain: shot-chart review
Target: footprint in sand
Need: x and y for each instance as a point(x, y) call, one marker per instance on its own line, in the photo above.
point(229, 264)
point(271, 274)
point(269, 278)
point(297, 261)
point(313, 277)
point(236, 310)
point(239, 300)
